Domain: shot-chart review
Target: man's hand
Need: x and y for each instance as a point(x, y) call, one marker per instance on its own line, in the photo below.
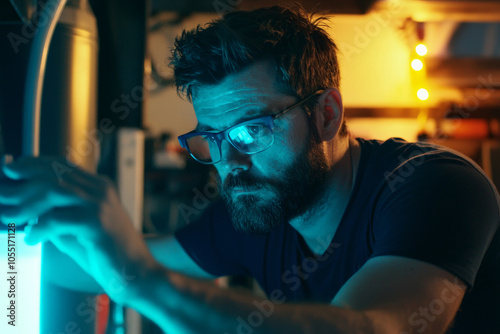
point(82, 215)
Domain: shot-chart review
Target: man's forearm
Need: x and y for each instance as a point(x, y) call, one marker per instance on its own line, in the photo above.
point(179, 304)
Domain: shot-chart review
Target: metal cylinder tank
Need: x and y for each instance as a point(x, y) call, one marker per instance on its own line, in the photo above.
point(68, 120)
point(69, 128)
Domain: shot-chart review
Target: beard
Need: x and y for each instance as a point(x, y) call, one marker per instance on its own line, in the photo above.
point(268, 203)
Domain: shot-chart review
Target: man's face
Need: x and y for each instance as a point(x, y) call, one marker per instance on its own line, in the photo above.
point(265, 189)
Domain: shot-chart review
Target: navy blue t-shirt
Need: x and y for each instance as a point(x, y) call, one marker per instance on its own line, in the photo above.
point(415, 200)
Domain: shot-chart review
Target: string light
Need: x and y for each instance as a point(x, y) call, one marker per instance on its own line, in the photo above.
point(421, 50)
point(423, 94)
point(417, 64)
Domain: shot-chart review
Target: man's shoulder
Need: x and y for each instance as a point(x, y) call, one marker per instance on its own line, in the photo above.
point(396, 154)
point(399, 147)
point(395, 162)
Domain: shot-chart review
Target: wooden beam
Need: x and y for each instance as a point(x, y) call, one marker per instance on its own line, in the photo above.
point(330, 6)
point(381, 112)
point(445, 112)
point(450, 10)
point(464, 72)
point(222, 6)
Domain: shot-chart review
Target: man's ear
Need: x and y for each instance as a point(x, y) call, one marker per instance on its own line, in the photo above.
point(329, 114)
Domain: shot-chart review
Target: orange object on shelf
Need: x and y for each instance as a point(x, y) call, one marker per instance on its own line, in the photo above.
point(102, 313)
point(469, 128)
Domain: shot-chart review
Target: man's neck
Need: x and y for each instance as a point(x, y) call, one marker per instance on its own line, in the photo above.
point(319, 224)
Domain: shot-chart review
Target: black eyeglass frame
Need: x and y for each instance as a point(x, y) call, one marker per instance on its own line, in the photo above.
point(224, 134)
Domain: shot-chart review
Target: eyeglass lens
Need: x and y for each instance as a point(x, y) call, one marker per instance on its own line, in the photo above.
point(248, 138)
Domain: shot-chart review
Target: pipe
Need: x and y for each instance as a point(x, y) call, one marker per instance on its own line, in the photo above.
point(34, 79)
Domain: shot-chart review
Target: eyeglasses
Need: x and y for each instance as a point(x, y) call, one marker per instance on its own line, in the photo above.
point(249, 137)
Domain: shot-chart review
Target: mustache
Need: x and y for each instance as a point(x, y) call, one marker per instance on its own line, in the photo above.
point(244, 181)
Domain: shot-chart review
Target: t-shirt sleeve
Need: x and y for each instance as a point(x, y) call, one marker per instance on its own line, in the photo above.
point(213, 243)
point(443, 211)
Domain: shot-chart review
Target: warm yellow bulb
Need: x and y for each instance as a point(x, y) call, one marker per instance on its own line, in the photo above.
point(423, 94)
point(421, 50)
point(417, 64)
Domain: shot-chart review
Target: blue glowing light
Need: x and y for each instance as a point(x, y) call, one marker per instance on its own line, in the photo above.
point(24, 292)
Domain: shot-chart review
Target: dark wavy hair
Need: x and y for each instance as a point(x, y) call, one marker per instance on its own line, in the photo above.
point(304, 54)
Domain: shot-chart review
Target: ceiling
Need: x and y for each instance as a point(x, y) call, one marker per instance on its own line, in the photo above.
point(420, 10)
point(464, 37)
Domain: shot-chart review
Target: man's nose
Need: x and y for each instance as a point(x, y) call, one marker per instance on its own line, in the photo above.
point(233, 160)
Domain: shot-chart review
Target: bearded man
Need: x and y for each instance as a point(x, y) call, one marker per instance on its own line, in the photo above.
point(343, 234)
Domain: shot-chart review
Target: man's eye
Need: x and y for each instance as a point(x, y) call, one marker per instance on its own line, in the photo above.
point(254, 129)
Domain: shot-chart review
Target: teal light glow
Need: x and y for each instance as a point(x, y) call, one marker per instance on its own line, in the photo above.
point(27, 285)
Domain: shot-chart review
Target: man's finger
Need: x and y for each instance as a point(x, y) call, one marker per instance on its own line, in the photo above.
point(76, 221)
point(28, 167)
point(21, 214)
point(43, 201)
point(17, 192)
point(53, 171)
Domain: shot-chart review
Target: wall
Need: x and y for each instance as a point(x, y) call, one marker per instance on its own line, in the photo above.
point(374, 59)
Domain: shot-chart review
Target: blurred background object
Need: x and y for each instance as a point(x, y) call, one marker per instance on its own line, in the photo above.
point(415, 69)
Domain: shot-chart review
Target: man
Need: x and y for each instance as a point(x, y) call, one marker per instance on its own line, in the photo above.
point(344, 235)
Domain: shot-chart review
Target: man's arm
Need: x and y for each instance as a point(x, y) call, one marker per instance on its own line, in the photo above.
point(411, 295)
point(388, 294)
point(63, 271)
point(169, 252)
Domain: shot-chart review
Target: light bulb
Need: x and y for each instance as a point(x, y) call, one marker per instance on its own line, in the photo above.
point(421, 50)
point(423, 94)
